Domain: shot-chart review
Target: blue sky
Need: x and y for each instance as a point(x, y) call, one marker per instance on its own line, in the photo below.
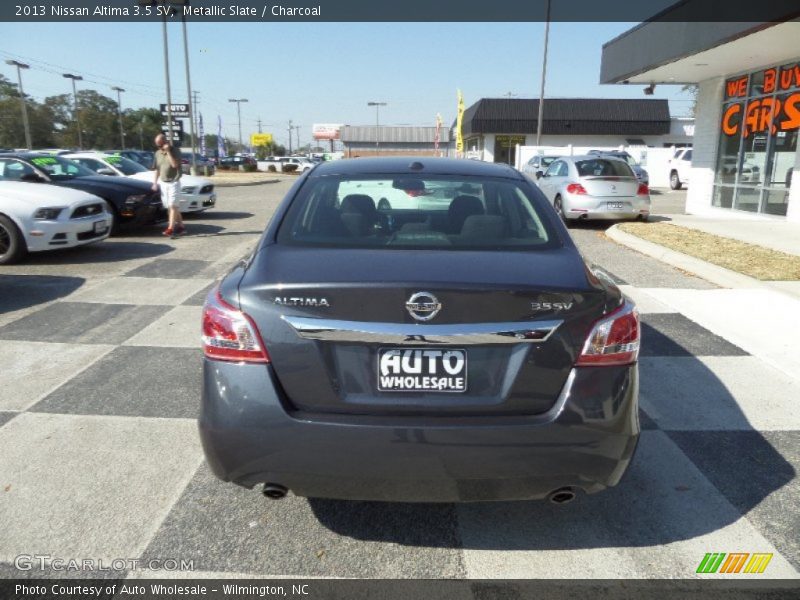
point(320, 73)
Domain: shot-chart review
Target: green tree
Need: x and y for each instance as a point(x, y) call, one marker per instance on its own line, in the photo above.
point(141, 126)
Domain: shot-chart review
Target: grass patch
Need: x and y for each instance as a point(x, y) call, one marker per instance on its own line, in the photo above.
point(748, 259)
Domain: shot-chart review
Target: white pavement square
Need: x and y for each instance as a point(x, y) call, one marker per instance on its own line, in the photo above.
point(179, 328)
point(33, 369)
point(765, 323)
point(725, 393)
point(645, 302)
point(141, 291)
point(658, 523)
point(88, 486)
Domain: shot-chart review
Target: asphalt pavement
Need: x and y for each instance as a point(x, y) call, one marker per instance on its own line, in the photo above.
point(100, 458)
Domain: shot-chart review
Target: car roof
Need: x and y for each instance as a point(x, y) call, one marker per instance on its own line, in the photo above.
point(593, 157)
point(402, 165)
point(25, 155)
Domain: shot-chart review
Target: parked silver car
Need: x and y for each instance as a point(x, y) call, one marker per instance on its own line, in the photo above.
point(537, 165)
point(594, 187)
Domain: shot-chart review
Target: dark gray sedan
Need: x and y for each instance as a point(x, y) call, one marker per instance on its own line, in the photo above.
point(455, 350)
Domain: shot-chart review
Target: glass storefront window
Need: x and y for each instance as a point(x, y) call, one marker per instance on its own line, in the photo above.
point(758, 140)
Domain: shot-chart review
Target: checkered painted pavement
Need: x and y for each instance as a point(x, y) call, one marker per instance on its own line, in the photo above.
point(100, 457)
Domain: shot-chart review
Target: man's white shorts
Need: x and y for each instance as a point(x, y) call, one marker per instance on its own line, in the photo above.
point(170, 193)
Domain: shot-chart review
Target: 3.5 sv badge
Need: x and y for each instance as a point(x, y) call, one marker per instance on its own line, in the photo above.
point(554, 306)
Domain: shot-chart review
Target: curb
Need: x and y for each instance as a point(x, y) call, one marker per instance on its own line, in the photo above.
point(245, 184)
point(717, 275)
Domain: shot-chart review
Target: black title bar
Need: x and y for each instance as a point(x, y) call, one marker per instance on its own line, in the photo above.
point(293, 11)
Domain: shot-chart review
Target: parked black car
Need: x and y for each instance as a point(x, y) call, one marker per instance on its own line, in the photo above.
point(146, 158)
point(199, 160)
point(236, 161)
point(132, 202)
point(452, 346)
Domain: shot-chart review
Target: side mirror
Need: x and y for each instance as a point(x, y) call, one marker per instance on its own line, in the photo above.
point(32, 178)
point(539, 174)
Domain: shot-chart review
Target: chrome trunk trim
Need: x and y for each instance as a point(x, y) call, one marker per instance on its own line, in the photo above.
point(411, 333)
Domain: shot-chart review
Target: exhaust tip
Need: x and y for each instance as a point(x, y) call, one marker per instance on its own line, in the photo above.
point(274, 491)
point(561, 496)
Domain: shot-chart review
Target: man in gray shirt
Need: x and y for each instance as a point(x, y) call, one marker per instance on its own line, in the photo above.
point(168, 178)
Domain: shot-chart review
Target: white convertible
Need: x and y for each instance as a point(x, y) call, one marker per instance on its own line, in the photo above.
point(36, 216)
point(197, 193)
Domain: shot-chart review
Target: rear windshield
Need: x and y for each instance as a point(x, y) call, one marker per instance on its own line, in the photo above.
point(602, 167)
point(416, 212)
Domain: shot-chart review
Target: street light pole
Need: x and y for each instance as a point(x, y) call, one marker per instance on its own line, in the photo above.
point(25, 122)
point(377, 106)
point(189, 93)
point(290, 136)
point(77, 114)
point(239, 113)
point(119, 91)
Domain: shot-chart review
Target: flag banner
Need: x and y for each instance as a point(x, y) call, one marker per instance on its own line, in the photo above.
point(437, 137)
point(220, 139)
point(459, 122)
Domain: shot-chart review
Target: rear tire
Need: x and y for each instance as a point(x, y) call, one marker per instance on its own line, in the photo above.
point(12, 245)
point(675, 181)
point(559, 206)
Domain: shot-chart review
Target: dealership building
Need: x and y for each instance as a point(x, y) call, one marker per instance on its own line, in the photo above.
point(493, 128)
point(745, 152)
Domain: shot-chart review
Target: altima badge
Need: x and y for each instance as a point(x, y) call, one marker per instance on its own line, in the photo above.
point(302, 301)
point(423, 306)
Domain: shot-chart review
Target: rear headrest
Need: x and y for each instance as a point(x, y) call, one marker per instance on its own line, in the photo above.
point(484, 227)
point(359, 203)
point(462, 207)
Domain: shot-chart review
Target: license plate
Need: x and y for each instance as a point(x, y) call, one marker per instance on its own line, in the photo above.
point(100, 226)
point(614, 205)
point(422, 370)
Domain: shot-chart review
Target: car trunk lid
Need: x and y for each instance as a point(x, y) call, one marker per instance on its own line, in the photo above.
point(337, 323)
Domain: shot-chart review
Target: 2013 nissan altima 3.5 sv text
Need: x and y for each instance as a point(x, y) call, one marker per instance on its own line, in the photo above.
point(453, 350)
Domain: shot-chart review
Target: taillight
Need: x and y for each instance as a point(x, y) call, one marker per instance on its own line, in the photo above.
point(643, 190)
point(613, 340)
point(229, 334)
point(576, 188)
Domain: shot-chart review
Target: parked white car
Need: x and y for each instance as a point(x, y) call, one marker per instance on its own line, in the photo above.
point(35, 217)
point(197, 193)
point(680, 165)
point(277, 162)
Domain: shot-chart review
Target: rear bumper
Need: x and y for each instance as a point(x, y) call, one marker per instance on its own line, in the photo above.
point(588, 207)
point(586, 441)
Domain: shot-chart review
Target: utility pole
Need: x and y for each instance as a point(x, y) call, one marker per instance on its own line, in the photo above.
point(259, 125)
point(297, 129)
point(544, 74)
point(119, 91)
point(239, 112)
point(77, 115)
point(166, 77)
point(377, 106)
point(25, 123)
point(290, 136)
